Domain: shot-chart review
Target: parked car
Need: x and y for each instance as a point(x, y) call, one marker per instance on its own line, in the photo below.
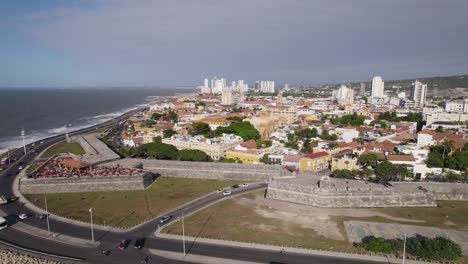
point(243, 185)
point(123, 244)
point(164, 219)
point(227, 192)
point(139, 243)
point(235, 186)
point(23, 216)
point(20, 168)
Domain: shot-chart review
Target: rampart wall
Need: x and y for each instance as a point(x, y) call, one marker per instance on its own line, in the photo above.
point(85, 184)
point(441, 190)
point(365, 197)
point(206, 170)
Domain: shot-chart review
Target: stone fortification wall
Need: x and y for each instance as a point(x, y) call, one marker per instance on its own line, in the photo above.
point(373, 196)
point(206, 170)
point(441, 190)
point(85, 184)
point(96, 151)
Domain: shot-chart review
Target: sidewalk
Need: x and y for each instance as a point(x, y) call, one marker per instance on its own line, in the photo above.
point(196, 258)
point(39, 232)
point(289, 250)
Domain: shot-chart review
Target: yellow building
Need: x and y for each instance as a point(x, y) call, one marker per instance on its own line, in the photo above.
point(216, 121)
point(247, 157)
point(288, 115)
point(344, 162)
point(316, 161)
point(139, 128)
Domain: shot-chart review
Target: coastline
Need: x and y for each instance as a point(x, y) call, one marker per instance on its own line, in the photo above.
point(44, 133)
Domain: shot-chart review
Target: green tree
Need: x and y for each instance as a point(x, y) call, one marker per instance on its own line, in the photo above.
point(156, 116)
point(385, 171)
point(148, 123)
point(192, 155)
point(200, 128)
point(168, 133)
point(157, 139)
point(368, 159)
point(265, 159)
point(379, 122)
point(157, 151)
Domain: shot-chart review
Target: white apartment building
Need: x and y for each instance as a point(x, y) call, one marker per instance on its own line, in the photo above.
point(446, 117)
point(457, 106)
point(377, 89)
point(265, 86)
point(343, 95)
point(214, 147)
point(418, 94)
point(226, 97)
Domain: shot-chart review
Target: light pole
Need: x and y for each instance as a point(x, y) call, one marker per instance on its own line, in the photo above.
point(92, 230)
point(47, 215)
point(24, 144)
point(404, 249)
point(183, 232)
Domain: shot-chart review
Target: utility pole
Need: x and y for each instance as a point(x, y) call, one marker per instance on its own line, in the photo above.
point(92, 230)
point(183, 233)
point(404, 250)
point(47, 215)
point(24, 144)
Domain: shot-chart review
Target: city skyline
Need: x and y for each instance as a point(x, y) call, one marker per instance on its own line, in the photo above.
point(119, 43)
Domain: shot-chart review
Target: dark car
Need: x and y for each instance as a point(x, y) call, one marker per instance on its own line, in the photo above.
point(41, 216)
point(235, 186)
point(140, 243)
point(123, 244)
point(164, 219)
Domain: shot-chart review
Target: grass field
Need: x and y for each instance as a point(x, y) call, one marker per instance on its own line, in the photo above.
point(63, 147)
point(127, 208)
point(230, 221)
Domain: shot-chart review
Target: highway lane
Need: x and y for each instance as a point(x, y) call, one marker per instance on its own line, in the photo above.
point(110, 239)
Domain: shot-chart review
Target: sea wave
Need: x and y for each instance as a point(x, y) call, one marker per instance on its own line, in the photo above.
point(87, 121)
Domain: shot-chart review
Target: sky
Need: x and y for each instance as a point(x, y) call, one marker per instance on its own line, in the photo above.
point(58, 43)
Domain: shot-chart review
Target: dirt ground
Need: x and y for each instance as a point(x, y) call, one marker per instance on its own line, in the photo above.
point(325, 221)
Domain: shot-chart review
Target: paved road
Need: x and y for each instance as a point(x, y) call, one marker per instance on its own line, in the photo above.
point(110, 239)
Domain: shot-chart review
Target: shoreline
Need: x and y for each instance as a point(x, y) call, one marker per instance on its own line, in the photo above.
point(42, 134)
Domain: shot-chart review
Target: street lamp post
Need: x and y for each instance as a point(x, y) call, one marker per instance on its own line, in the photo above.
point(47, 215)
point(404, 249)
point(183, 232)
point(24, 144)
point(92, 230)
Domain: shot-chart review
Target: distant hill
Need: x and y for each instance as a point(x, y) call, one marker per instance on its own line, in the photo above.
point(437, 86)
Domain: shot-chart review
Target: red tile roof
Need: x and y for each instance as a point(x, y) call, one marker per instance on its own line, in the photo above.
point(400, 158)
point(250, 144)
point(315, 155)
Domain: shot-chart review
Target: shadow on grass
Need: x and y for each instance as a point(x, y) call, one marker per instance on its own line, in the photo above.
point(205, 224)
point(116, 225)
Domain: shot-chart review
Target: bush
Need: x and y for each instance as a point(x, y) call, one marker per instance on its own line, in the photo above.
point(192, 155)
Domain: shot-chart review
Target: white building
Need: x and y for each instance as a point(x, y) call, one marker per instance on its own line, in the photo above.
point(445, 117)
point(265, 86)
point(344, 95)
point(226, 97)
point(214, 147)
point(418, 94)
point(377, 89)
point(457, 106)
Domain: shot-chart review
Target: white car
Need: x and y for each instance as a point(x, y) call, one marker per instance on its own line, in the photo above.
point(20, 168)
point(22, 216)
point(226, 192)
point(243, 185)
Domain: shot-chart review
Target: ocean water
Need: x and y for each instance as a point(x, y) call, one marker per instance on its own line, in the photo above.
point(47, 112)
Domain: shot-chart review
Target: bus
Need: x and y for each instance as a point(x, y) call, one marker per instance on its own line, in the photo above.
point(3, 223)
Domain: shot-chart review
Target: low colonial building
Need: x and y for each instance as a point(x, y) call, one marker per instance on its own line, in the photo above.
point(316, 161)
point(216, 148)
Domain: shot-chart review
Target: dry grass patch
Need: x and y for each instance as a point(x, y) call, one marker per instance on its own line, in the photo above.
point(63, 147)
